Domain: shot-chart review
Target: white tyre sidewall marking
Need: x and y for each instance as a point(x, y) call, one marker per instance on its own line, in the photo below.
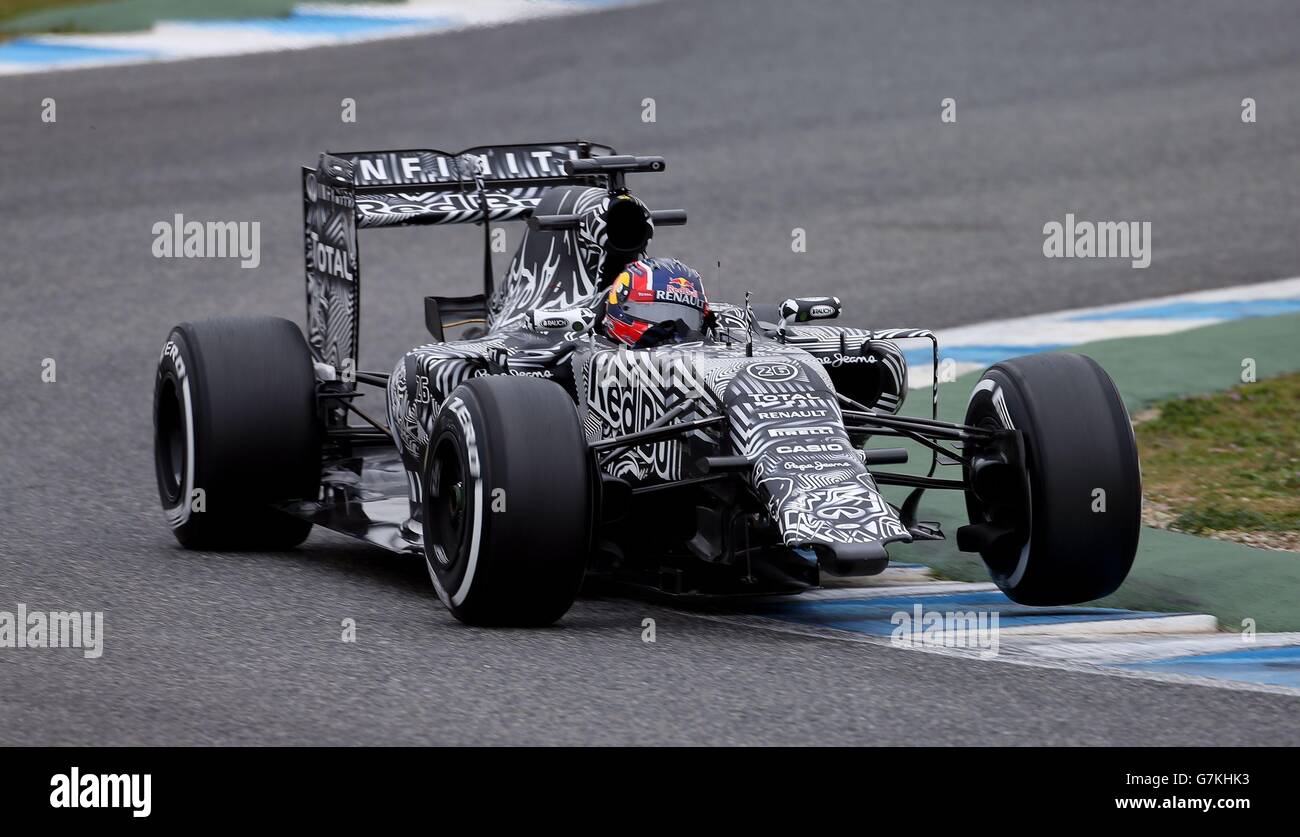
point(179, 514)
point(999, 400)
point(457, 598)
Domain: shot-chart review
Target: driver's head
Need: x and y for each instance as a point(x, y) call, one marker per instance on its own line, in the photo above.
point(656, 301)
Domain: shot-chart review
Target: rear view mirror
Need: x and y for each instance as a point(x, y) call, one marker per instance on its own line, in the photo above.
point(803, 309)
point(574, 320)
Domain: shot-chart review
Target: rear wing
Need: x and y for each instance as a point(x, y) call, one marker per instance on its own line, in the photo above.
point(349, 191)
point(403, 188)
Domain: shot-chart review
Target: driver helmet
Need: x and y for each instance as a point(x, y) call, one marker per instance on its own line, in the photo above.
point(656, 301)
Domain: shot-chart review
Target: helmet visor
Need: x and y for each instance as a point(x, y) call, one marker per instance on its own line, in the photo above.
point(662, 312)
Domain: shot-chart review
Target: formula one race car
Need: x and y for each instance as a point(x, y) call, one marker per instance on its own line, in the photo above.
point(598, 417)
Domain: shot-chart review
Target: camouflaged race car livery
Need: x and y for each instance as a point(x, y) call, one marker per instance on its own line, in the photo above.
point(524, 447)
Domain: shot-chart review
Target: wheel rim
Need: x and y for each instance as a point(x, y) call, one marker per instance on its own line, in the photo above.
point(449, 510)
point(169, 442)
point(1001, 503)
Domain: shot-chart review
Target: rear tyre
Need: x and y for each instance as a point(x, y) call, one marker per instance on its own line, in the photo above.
point(508, 506)
point(1072, 518)
point(235, 430)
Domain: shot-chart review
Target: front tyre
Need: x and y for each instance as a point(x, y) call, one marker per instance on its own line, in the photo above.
point(508, 502)
point(1069, 522)
point(235, 431)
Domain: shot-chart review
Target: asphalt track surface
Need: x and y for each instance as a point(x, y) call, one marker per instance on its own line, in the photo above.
point(772, 116)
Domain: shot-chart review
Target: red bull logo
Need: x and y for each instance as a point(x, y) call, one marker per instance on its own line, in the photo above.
point(680, 290)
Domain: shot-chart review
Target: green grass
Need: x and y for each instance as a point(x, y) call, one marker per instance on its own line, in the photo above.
point(10, 9)
point(1228, 461)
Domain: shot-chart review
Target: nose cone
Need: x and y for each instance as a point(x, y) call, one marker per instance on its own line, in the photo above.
point(786, 421)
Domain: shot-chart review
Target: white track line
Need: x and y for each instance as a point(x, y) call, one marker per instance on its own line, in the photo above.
point(1010, 655)
point(1174, 623)
point(1149, 649)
